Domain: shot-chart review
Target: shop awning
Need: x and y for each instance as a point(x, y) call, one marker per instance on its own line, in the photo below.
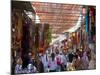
point(61, 17)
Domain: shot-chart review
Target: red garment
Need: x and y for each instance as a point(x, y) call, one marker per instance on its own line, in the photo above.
point(58, 61)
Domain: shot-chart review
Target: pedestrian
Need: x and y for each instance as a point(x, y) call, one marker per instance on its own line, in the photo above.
point(40, 66)
point(13, 63)
point(70, 56)
point(52, 63)
point(18, 67)
point(44, 58)
point(63, 62)
point(85, 61)
point(78, 63)
point(58, 61)
point(30, 68)
point(25, 60)
point(92, 63)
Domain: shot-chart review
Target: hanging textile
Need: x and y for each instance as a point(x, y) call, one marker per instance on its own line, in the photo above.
point(37, 35)
point(41, 39)
point(87, 21)
point(78, 37)
point(92, 22)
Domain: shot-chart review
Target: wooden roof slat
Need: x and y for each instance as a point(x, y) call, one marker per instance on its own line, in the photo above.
point(60, 16)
